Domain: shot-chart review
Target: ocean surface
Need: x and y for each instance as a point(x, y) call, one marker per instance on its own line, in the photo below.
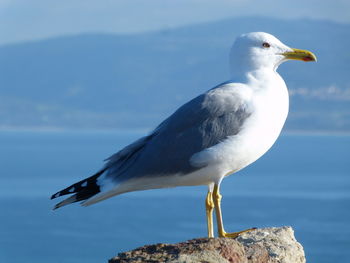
point(303, 182)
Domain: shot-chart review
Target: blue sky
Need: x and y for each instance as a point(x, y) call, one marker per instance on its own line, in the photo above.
point(23, 20)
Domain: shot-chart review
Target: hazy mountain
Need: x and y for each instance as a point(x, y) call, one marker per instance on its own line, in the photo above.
point(114, 81)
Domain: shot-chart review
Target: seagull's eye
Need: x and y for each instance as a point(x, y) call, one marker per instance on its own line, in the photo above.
point(266, 45)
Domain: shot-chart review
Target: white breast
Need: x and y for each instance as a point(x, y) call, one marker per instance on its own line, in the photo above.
point(260, 131)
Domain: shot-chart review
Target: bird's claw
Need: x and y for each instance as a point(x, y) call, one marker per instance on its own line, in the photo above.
point(236, 234)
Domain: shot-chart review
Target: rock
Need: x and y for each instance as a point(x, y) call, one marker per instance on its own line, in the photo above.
point(267, 245)
point(272, 245)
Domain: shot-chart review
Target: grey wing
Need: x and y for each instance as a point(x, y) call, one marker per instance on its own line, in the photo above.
point(197, 125)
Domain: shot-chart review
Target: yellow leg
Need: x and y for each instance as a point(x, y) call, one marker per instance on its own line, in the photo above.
point(217, 202)
point(209, 207)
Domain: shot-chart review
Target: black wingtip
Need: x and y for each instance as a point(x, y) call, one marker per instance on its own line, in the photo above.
point(80, 186)
point(55, 195)
point(81, 191)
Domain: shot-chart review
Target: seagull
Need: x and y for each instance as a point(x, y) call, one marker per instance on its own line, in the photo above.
point(208, 138)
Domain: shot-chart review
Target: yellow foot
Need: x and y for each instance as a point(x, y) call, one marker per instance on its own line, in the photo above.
point(236, 234)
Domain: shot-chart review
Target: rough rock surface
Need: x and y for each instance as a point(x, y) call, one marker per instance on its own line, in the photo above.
point(267, 245)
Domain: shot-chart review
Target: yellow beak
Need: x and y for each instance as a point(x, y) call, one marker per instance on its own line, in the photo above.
point(300, 54)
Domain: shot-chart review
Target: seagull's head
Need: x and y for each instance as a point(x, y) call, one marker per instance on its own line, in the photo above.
point(258, 50)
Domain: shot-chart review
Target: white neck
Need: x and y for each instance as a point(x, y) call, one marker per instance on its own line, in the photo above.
point(253, 76)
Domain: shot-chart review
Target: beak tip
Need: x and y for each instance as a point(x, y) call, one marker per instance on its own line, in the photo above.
point(310, 59)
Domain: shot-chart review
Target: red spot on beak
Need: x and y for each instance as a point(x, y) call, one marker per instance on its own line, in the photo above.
point(307, 59)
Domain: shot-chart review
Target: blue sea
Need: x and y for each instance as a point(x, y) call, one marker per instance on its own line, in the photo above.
point(303, 182)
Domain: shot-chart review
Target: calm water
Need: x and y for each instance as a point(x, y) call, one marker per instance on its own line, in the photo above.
point(304, 181)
